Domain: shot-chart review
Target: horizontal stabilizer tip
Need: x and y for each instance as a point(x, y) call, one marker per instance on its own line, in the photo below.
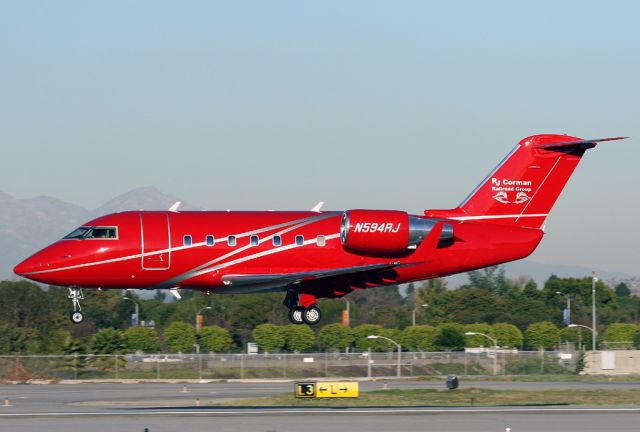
point(576, 142)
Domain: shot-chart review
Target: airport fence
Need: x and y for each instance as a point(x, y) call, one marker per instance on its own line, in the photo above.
point(290, 366)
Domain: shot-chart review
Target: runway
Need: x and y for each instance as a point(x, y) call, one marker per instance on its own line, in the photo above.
point(453, 420)
point(167, 407)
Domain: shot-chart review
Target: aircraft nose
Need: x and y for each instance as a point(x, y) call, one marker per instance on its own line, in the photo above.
point(25, 267)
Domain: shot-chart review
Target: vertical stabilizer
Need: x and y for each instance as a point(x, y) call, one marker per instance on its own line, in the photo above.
point(522, 189)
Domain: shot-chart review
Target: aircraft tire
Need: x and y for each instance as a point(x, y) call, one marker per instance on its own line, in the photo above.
point(312, 315)
point(296, 315)
point(77, 317)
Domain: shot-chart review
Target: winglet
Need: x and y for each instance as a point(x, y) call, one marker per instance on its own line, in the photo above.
point(176, 293)
point(430, 243)
point(174, 208)
point(317, 207)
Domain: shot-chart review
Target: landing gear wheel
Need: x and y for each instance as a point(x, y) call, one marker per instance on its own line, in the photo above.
point(312, 315)
point(75, 295)
point(295, 315)
point(77, 317)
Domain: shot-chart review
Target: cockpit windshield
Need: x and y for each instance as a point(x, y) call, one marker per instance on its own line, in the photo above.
point(83, 233)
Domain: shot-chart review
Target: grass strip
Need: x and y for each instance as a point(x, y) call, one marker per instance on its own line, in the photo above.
point(460, 397)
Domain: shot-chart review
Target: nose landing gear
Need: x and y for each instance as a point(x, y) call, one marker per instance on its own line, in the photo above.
point(75, 294)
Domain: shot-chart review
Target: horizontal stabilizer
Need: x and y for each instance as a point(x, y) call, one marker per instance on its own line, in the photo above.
point(586, 143)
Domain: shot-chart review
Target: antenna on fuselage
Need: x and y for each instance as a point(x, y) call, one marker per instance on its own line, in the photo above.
point(174, 208)
point(317, 207)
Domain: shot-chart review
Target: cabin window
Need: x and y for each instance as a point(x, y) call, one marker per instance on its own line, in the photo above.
point(299, 240)
point(254, 240)
point(321, 240)
point(277, 240)
point(187, 240)
point(231, 240)
point(210, 240)
point(93, 233)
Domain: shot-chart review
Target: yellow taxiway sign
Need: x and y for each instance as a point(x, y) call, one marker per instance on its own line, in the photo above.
point(327, 389)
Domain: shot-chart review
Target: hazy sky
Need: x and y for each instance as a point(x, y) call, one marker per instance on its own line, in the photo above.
point(277, 105)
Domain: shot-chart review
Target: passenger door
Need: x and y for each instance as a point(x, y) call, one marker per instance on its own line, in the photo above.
point(156, 241)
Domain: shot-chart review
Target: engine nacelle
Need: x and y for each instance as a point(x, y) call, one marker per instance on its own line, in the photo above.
point(378, 231)
point(387, 232)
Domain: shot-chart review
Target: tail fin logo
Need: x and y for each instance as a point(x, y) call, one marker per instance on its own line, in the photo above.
point(521, 197)
point(504, 187)
point(501, 197)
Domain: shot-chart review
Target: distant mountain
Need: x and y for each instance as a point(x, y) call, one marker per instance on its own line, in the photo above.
point(144, 198)
point(27, 225)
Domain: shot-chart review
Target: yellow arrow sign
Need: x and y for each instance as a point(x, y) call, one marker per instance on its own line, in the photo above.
point(337, 389)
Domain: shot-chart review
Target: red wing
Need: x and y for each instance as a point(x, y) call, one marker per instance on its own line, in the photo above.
point(274, 282)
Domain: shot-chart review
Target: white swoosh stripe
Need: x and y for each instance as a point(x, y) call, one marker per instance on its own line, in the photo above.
point(255, 256)
point(508, 216)
point(221, 239)
point(194, 271)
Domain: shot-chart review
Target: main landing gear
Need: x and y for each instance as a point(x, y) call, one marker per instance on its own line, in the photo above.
point(75, 294)
point(298, 313)
point(302, 315)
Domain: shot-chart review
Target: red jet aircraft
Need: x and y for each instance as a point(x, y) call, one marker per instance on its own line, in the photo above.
point(314, 254)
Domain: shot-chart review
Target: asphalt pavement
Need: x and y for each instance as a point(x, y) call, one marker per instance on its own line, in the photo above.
point(171, 407)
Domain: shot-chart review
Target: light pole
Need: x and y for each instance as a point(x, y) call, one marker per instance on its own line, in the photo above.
point(495, 349)
point(399, 366)
point(137, 309)
point(594, 279)
point(593, 333)
point(413, 315)
point(568, 297)
point(198, 341)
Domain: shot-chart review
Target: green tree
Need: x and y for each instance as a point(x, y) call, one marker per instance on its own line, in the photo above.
point(622, 290)
point(336, 337)
point(491, 279)
point(299, 337)
point(141, 339)
point(471, 305)
point(214, 339)
point(576, 335)
point(269, 337)
point(73, 347)
point(108, 341)
point(179, 337)
point(531, 291)
point(433, 292)
point(450, 337)
point(361, 333)
point(620, 335)
point(384, 305)
point(478, 340)
point(541, 335)
point(579, 289)
point(419, 338)
point(508, 335)
point(362, 342)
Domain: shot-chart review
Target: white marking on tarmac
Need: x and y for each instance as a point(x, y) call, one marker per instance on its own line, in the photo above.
point(238, 412)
